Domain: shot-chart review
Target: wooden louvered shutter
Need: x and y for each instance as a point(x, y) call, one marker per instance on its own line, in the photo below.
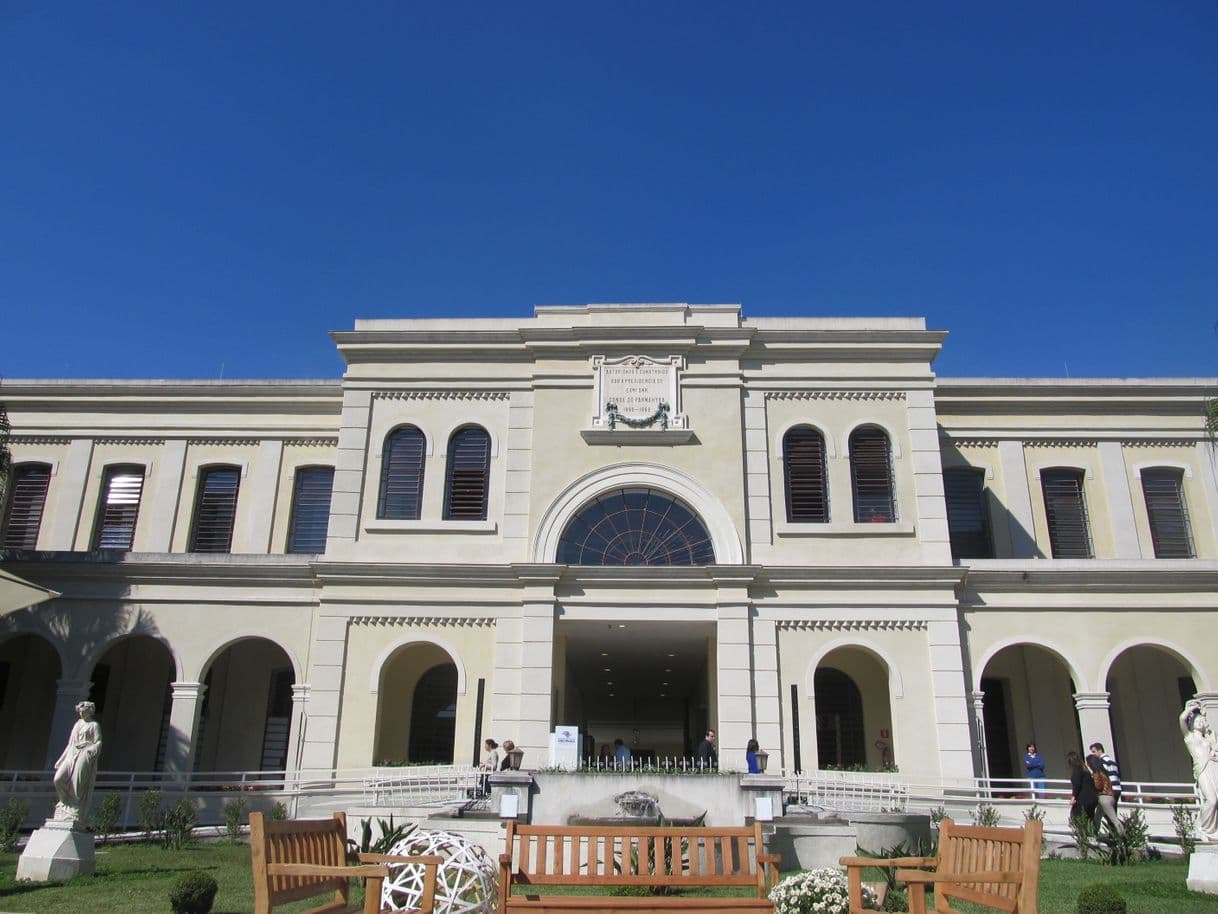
point(803, 454)
point(311, 510)
point(1163, 488)
point(27, 498)
point(119, 508)
point(1066, 513)
point(968, 520)
point(402, 475)
point(871, 477)
point(469, 464)
point(215, 510)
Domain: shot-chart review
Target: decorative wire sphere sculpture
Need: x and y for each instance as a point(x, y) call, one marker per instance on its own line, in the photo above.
point(466, 882)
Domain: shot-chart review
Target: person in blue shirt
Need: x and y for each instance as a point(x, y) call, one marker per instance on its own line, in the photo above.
point(1036, 770)
point(621, 754)
point(750, 756)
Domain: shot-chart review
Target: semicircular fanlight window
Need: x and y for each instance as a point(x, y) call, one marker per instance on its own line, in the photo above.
point(635, 527)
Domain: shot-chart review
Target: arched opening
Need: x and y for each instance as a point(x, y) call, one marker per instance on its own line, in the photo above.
point(417, 707)
point(853, 711)
point(131, 688)
point(1147, 687)
point(246, 711)
point(29, 671)
point(1028, 697)
point(635, 526)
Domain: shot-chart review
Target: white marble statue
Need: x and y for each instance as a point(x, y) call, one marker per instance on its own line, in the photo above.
point(76, 769)
point(1202, 745)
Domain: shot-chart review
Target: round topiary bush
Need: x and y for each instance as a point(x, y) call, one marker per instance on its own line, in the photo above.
point(1100, 899)
point(193, 893)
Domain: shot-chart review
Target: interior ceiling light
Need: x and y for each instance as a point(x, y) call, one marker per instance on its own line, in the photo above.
point(621, 625)
point(608, 670)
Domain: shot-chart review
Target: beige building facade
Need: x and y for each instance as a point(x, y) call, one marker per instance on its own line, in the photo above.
point(643, 520)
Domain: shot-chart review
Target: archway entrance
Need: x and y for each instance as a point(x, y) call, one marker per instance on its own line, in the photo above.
point(853, 711)
point(650, 684)
point(1147, 687)
point(131, 688)
point(417, 707)
point(1029, 697)
point(247, 709)
point(29, 670)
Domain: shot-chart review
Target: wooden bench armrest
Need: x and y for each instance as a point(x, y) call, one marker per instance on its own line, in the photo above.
point(316, 869)
point(1012, 877)
point(889, 861)
point(774, 859)
point(399, 860)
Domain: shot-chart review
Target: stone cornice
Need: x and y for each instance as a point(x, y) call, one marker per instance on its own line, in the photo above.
point(1090, 575)
point(852, 625)
point(432, 620)
point(884, 577)
point(438, 394)
point(131, 568)
point(835, 394)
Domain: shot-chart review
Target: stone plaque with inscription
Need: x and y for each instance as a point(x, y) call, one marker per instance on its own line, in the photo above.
point(637, 392)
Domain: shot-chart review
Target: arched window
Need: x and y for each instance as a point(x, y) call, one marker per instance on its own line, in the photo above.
point(803, 457)
point(1163, 488)
point(433, 716)
point(311, 510)
point(1066, 513)
point(635, 527)
point(469, 468)
point(871, 476)
point(215, 509)
point(840, 736)
point(968, 520)
point(26, 500)
point(119, 508)
point(402, 475)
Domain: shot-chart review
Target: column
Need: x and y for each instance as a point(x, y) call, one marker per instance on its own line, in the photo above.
point(300, 698)
point(735, 688)
point(67, 693)
point(1018, 500)
point(73, 473)
point(536, 673)
point(767, 695)
point(956, 753)
point(1120, 502)
point(1093, 720)
point(182, 739)
point(162, 508)
point(981, 762)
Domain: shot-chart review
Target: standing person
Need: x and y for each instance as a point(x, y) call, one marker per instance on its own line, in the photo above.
point(706, 754)
point(1084, 800)
point(621, 754)
point(508, 746)
point(490, 762)
point(1103, 790)
point(1111, 769)
point(1035, 766)
point(750, 756)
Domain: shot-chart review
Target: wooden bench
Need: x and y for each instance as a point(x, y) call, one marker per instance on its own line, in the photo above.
point(303, 858)
point(579, 856)
point(998, 868)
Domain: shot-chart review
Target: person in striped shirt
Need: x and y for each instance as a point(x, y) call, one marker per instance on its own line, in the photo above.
point(1110, 766)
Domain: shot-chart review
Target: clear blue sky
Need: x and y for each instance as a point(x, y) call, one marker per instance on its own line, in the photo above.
point(195, 188)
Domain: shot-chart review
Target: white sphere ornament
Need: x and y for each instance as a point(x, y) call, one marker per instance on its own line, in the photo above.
point(467, 881)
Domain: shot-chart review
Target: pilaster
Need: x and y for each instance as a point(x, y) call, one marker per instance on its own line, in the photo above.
point(300, 700)
point(1120, 500)
point(518, 475)
point(346, 498)
point(956, 753)
point(927, 463)
point(767, 694)
point(162, 509)
point(1018, 500)
point(735, 687)
point(327, 663)
point(757, 470)
point(60, 533)
point(263, 484)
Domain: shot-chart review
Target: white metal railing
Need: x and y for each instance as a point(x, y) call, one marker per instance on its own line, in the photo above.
point(650, 764)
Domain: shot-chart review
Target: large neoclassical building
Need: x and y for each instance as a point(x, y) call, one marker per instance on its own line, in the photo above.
point(643, 520)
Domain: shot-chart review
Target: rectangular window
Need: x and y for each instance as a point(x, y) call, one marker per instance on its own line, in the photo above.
point(27, 498)
point(1163, 488)
point(968, 521)
point(311, 510)
point(215, 510)
point(1066, 513)
point(119, 508)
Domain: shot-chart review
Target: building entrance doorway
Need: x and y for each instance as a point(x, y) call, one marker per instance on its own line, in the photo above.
point(650, 684)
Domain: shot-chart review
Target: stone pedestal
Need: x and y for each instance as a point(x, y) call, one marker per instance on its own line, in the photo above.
point(56, 851)
point(1203, 869)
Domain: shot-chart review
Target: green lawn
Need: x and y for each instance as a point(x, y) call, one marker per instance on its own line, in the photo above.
point(136, 879)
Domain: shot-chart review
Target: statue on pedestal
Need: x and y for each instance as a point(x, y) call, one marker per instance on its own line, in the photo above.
point(76, 769)
point(1202, 745)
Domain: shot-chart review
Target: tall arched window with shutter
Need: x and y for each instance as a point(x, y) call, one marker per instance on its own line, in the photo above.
point(871, 476)
point(401, 495)
point(468, 478)
point(1167, 512)
point(119, 508)
point(310, 510)
point(215, 509)
point(1066, 513)
point(968, 516)
point(26, 499)
point(803, 457)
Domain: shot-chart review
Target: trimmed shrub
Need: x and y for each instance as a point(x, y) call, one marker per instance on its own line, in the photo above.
point(193, 893)
point(233, 810)
point(149, 812)
point(12, 817)
point(179, 825)
point(1100, 899)
point(279, 812)
point(105, 820)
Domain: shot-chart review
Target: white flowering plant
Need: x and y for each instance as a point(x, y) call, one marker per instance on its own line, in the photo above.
point(821, 891)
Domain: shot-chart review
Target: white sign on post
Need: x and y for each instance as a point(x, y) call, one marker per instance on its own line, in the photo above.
point(564, 748)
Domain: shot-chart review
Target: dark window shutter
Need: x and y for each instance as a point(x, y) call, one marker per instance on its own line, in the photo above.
point(402, 475)
point(1163, 488)
point(803, 455)
point(119, 508)
point(871, 477)
point(27, 499)
point(215, 510)
point(311, 509)
point(469, 464)
point(1066, 513)
point(968, 521)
